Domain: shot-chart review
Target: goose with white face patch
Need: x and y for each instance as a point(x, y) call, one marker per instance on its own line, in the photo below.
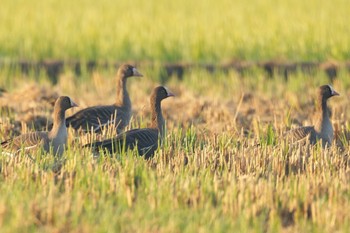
point(144, 140)
point(117, 115)
point(323, 129)
point(54, 140)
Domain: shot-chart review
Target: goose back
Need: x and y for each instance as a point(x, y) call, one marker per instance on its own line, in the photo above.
point(307, 132)
point(28, 142)
point(145, 140)
point(99, 116)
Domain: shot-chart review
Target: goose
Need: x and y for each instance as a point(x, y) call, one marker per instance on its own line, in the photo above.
point(146, 139)
point(323, 129)
point(118, 114)
point(54, 139)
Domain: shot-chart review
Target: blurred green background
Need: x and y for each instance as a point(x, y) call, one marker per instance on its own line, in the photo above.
point(168, 31)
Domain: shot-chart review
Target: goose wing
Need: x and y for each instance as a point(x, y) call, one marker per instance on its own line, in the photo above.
point(27, 142)
point(307, 132)
point(98, 116)
point(145, 140)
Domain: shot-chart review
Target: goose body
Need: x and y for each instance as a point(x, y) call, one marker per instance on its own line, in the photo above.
point(146, 140)
point(118, 114)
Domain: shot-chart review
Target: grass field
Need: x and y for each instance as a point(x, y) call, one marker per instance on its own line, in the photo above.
point(190, 31)
point(225, 166)
point(211, 175)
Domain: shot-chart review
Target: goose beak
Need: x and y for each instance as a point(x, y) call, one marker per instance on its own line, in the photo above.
point(73, 104)
point(136, 73)
point(334, 93)
point(170, 94)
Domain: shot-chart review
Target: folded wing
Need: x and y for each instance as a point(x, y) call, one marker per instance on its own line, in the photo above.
point(27, 142)
point(307, 133)
point(98, 117)
point(145, 140)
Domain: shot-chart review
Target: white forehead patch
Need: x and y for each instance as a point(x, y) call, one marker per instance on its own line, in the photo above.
point(72, 102)
point(134, 70)
point(332, 90)
point(167, 90)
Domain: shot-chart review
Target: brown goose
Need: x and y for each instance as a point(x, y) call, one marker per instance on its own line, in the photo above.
point(323, 129)
point(56, 138)
point(145, 140)
point(117, 114)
